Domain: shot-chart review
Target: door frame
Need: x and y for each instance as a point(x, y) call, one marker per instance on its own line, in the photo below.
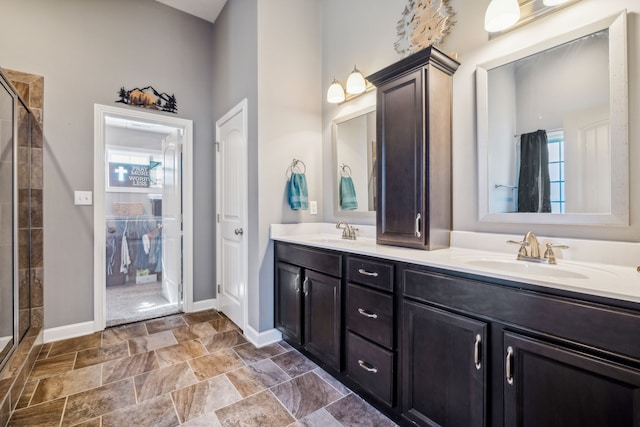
point(99, 239)
point(240, 108)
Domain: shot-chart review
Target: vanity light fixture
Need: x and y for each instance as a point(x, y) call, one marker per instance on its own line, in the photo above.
point(356, 86)
point(553, 2)
point(335, 94)
point(501, 14)
point(356, 83)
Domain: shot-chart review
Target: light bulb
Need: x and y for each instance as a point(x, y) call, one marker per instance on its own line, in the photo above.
point(553, 2)
point(501, 14)
point(335, 94)
point(356, 83)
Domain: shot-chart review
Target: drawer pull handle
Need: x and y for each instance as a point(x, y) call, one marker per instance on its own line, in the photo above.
point(509, 368)
point(418, 217)
point(364, 365)
point(476, 352)
point(365, 313)
point(367, 273)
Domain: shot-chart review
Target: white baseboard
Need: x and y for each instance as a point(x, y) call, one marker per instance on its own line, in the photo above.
point(68, 331)
point(207, 304)
point(260, 339)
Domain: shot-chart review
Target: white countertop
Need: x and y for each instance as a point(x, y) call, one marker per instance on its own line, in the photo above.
point(610, 280)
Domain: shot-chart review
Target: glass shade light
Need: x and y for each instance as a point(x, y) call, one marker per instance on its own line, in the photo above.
point(501, 14)
point(356, 83)
point(553, 2)
point(335, 94)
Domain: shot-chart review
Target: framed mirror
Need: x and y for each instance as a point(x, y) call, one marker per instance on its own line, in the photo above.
point(354, 152)
point(553, 130)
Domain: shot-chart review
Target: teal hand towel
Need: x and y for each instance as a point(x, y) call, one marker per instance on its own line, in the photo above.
point(348, 200)
point(298, 194)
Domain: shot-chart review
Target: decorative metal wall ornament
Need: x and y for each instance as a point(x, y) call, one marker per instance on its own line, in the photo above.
point(148, 97)
point(423, 23)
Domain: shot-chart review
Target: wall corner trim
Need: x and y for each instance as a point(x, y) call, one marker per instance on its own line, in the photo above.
point(260, 339)
point(68, 331)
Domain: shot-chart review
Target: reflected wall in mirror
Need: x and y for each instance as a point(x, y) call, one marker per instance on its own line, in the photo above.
point(553, 130)
point(354, 145)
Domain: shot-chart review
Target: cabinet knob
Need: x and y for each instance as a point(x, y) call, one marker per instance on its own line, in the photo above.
point(365, 313)
point(367, 367)
point(238, 231)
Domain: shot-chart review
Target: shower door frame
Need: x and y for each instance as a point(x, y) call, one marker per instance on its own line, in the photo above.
point(99, 268)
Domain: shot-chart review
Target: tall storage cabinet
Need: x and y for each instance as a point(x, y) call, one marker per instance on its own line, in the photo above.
point(414, 150)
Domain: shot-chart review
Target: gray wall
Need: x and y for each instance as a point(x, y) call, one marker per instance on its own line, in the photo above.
point(86, 50)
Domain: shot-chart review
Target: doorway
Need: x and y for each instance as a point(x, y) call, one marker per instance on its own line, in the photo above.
point(142, 216)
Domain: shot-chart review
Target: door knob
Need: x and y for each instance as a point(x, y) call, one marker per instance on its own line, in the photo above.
point(239, 231)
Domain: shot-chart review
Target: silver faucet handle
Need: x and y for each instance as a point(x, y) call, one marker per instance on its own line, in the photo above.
point(549, 252)
point(523, 246)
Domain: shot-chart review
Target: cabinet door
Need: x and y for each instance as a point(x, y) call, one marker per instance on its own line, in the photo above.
point(322, 305)
point(443, 371)
point(288, 300)
point(548, 385)
point(400, 118)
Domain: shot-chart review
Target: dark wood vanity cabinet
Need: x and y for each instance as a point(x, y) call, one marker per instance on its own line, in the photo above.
point(413, 121)
point(433, 347)
point(552, 360)
point(443, 367)
point(308, 300)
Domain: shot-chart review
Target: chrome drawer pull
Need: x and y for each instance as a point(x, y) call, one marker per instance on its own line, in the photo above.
point(367, 367)
point(367, 273)
point(367, 314)
point(509, 368)
point(476, 352)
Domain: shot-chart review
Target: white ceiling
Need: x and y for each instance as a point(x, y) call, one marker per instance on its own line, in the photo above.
point(205, 9)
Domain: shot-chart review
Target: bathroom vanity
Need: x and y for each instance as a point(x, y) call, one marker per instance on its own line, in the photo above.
point(462, 337)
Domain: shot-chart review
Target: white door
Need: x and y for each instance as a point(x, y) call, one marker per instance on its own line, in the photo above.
point(231, 224)
point(171, 220)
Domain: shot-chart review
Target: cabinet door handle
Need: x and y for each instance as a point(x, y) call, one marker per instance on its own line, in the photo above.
point(367, 273)
point(509, 368)
point(297, 283)
point(365, 313)
point(476, 351)
point(418, 234)
point(367, 367)
point(305, 286)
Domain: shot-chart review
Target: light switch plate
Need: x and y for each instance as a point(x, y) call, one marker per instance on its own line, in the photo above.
point(313, 207)
point(83, 197)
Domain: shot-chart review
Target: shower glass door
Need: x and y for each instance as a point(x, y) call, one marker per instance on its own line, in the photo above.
point(7, 223)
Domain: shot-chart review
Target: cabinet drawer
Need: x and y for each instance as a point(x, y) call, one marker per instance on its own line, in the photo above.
point(370, 366)
point(314, 259)
point(371, 273)
point(370, 314)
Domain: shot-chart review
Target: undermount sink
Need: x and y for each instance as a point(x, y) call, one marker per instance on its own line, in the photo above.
point(560, 271)
point(330, 240)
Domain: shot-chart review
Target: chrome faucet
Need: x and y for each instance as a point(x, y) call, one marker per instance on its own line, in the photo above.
point(348, 232)
point(530, 249)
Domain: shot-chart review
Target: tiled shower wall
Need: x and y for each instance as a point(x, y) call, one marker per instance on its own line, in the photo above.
point(30, 240)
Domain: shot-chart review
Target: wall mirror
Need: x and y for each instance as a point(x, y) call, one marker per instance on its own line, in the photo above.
point(553, 130)
point(354, 152)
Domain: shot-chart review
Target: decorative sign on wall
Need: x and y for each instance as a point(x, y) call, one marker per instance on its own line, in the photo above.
point(423, 23)
point(148, 97)
point(128, 175)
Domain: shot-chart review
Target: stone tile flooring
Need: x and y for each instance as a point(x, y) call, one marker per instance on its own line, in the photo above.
point(192, 370)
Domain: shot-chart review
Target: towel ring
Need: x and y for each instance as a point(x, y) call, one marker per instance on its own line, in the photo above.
point(345, 170)
point(296, 164)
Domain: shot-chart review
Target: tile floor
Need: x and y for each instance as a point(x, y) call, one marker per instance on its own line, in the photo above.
point(191, 370)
